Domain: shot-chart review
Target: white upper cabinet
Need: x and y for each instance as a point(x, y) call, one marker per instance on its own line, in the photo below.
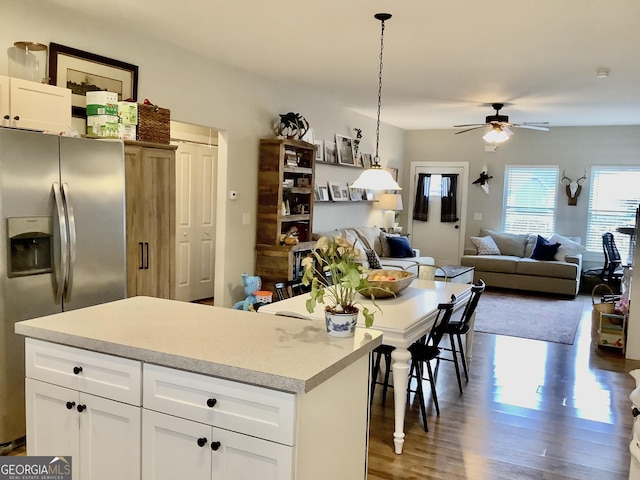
point(34, 106)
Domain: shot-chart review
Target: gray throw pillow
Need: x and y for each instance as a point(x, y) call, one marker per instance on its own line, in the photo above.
point(384, 244)
point(485, 245)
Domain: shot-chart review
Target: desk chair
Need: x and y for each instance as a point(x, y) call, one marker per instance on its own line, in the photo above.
point(460, 327)
point(612, 270)
point(425, 350)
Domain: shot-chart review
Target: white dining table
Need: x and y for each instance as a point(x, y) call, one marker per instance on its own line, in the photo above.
point(403, 320)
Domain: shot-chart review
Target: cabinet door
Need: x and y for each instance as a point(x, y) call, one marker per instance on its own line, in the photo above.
point(39, 107)
point(110, 435)
point(4, 101)
point(241, 457)
point(170, 448)
point(150, 199)
point(52, 421)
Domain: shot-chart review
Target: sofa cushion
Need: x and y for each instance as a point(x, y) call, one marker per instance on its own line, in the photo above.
point(567, 247)
point(529, 266)
point(399, 247)
point(384, 245)
point(373, 259)
point(370, 237)
point(508, 243)
point(491, 263)
point(544, 249)
point(485, 245)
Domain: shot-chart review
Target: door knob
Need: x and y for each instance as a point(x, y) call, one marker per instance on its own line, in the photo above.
point(211, 402)
point(77, 370)
point(202, 441)
point(70, 405)
point(457, 226)
point(215, 446)
point(81, 408)
point(635, 412)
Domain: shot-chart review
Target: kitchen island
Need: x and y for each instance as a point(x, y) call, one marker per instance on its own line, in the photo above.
point(179, 390)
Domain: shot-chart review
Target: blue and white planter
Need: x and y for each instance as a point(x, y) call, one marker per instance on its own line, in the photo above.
point(341, 324)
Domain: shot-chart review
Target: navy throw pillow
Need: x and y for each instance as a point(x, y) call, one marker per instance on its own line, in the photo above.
point(544, 249)
point(400, 247)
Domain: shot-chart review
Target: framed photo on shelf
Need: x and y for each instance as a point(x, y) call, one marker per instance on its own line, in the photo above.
point(323, 193)
point(330, 152)
point(355, 194)
point(366, 160)
point(335, 192)
point(81, 71)
point(344, 147)
point(393, 172)
point(319, 150)
point(370, 195)
point(345, 194)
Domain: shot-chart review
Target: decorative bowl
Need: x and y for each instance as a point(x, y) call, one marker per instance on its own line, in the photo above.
point(401, 280)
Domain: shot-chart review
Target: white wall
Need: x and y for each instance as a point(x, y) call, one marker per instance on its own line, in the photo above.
point(573, 149)
point(203, 92)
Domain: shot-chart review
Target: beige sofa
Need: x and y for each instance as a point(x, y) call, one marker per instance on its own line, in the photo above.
point(373, 239)
point(513, 268)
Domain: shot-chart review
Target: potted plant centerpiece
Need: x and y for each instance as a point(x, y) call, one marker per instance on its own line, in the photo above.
point(335, 274)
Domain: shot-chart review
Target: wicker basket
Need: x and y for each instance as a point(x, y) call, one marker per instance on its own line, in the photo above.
point(153, 124)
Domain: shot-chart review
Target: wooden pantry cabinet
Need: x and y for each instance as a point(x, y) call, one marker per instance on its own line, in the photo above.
point(150, 205)
point(285, 202)
point(34, 106)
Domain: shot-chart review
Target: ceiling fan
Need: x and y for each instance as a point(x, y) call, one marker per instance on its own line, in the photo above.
point(500, 126)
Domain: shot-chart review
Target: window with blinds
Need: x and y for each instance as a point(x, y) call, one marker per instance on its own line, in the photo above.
point(613, 199)
point(530, 196)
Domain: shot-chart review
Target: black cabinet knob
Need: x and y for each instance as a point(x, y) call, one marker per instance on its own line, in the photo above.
point(16, 118)
point(70, 405)
point(202, 441)
point(77, 370)
point(215, 446)
point(7, 117)
point(211, 402)
point(635, 412)
point(81, 408)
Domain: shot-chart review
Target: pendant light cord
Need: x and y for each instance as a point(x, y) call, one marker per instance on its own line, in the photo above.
point(382, 17)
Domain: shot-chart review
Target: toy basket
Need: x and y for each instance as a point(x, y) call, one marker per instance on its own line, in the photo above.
point(153, 124)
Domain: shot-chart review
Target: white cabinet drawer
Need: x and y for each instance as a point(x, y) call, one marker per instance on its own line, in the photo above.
point(256, 411)
point(97, 373)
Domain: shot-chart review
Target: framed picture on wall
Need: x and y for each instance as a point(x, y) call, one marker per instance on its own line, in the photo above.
point(344, 147)
point(330, 152)
point(319, 150)
point(335, 192)
point(366, 160)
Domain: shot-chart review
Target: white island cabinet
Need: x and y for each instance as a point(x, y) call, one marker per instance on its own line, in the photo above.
point(197, 392)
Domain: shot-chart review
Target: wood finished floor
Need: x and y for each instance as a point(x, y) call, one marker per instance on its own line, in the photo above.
point(531, 410)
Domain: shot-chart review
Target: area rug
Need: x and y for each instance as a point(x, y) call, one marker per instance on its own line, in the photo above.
point(528, 315)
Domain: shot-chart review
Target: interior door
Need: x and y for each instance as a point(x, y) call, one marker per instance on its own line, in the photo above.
point(444, 241)
point(195, 220)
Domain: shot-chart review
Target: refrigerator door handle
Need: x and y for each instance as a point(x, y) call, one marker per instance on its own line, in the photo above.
point(72, 240)
point(61, 271)
point(141, 267)
point(146, 263)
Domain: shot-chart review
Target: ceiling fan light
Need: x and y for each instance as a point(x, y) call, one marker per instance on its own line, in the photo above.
point(496, 135)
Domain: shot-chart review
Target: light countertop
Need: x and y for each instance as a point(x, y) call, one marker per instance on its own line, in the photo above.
point(281, 353)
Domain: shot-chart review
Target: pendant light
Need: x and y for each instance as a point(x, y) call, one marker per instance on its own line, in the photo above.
point(376, 178)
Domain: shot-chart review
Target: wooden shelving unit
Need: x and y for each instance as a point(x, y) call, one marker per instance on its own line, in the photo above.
point(285, 202)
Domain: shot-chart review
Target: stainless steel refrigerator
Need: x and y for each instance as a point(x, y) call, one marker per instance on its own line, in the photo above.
point(62, 241)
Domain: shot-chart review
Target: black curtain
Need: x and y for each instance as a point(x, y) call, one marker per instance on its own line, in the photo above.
point(421, 205)
point(449, 206)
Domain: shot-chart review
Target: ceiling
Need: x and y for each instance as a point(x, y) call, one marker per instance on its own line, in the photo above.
point(444, 61)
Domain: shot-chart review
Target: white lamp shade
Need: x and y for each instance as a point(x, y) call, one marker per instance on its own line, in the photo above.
point(376, 179)
point(390, 201)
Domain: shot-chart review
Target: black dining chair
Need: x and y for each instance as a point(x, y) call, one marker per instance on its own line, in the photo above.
point(290, 288)
point(423, 352)
point(378, 353)
point(460, 327)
